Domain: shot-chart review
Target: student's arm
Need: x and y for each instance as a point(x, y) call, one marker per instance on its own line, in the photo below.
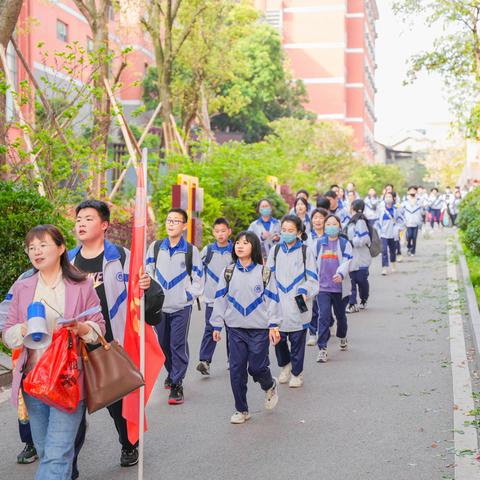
point(272, 301)
point(198, 277)
point(361, 237)
point(310, 287)
point(220, 305)
point(150, 262)
point(344, 267)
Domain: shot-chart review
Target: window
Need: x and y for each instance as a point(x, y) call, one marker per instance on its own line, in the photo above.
point(62, 31)
point(89, 44)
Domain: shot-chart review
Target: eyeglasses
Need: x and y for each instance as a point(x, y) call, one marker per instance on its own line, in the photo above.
point(170, 221)
point(42, 247)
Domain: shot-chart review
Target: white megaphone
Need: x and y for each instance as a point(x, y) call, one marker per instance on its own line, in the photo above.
point(37, 336)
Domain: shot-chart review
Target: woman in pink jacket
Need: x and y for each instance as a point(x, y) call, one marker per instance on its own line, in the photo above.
point(65, 293)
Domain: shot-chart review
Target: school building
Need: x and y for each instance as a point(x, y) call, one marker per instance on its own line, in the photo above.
point(330, 45)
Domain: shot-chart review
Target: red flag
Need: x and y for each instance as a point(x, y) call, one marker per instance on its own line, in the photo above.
point(154, 357)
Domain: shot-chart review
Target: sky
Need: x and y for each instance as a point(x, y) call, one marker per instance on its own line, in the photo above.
point(401, 107)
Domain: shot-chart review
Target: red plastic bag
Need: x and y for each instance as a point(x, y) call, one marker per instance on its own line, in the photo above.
point(54, 379)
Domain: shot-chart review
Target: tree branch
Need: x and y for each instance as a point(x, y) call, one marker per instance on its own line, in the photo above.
point(187, 30)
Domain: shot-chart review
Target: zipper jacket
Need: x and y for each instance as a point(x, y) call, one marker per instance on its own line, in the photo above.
point(170, 271)
point(359, 236)
point(294, 278)
point(246, 303)
point(342, 214)
point(372, 206)
point(390, 223)
point(412, 214)
point(272, 227)
point(222, 256)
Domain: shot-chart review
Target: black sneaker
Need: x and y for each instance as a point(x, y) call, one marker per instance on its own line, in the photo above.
point(176, 395)
point(27, 455)
point(129, 458)
point(168, 383)
point(204, 367)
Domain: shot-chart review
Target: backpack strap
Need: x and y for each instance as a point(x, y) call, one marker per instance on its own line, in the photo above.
point(123, 255)
point(156, 249)
point(304, 256)
point(266, 274)
point(208, 256)
point(275, 254)
point(228, 274)
point(189, 267)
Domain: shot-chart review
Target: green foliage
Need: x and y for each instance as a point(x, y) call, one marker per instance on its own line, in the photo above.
point(20, 210)
point(455, 54)
point(377, 176)
point(469, 221)
point(233, 176)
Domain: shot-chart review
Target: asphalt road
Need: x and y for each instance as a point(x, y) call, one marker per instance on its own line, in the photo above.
point(382, 410)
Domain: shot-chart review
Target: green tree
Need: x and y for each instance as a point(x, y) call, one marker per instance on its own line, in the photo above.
point(455, 54)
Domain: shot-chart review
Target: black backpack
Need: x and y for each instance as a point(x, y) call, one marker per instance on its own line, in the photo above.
point(304, 256)
point(188, 261)
point(228, 274)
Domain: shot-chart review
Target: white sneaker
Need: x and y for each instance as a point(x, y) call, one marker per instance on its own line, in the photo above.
point(343, 344)
point(399, 259)
point(296, 381)
point(352, 309)
point(384, 271)
point(393, 267)
point(363, 305)
point(285, 374)
point(312, 340)
point(240, 417)
point(271, 396)
point(322, 356)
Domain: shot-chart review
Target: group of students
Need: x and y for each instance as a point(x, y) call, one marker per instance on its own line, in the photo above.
point(280, 282)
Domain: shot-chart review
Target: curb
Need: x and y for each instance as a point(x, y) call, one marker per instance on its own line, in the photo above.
point(5, 370)
point(472, 303)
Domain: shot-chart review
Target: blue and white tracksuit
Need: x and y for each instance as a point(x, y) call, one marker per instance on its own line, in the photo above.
point(413, 219)
point(342, 214)
point(221, 257)
point(272, 227)
point(169, 270)
point(312, 243)
point(293, 278)
point(115, 280)
point(435, 206)
point(310, 209)
point(359, 236)
point(372, 207)
point(389, 225)
point(249, 310)
point(337, 301)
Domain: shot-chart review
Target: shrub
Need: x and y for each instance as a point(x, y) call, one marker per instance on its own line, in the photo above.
point(469, 210)
point(20, 210)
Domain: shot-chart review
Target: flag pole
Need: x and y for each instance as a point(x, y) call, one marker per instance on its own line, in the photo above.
point(141, 426)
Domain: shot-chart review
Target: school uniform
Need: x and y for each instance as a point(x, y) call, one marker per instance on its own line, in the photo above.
point(220, 258)
point(342, 214)
point(359, 236)
point(332, 257)
point(389, 226)
point(413, 219)
point(372, 206)
point(310, 209)
point(248, 309)
point(169, 270)
point(293, 277)
point(435, 205)
point(260, 226)
point(307, 222)
point(312, 242)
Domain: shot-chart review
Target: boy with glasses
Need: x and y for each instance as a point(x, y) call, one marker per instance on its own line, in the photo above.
point(177, 266)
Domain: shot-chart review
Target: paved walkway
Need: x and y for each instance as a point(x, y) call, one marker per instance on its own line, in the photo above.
point(382, 410)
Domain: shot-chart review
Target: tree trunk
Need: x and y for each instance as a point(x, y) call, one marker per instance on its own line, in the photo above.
point(9, 12)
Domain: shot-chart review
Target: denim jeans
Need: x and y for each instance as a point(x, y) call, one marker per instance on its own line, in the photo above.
point(53, 433)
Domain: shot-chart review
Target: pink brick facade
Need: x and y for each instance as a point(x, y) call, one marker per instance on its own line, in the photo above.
point(330, 45)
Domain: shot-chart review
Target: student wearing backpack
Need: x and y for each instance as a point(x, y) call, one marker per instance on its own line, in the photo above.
point(372, 206)
point(215, 258)
point(318, 230)
point(389, 226)
point(412, 212)
point(177, 266)
point(334, 253)
point(294, 268)
point(266, 227)
point(247, 302)
point(301, 211)
point(358, 233)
